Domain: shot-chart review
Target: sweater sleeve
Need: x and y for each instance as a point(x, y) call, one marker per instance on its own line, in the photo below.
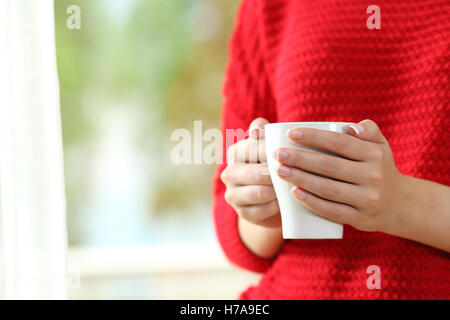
point(248, 96)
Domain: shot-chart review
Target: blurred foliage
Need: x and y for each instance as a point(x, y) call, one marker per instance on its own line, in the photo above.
point(159, 61)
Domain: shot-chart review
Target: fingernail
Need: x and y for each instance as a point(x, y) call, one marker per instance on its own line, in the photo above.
point(358, 128)
point(284, 171)
point(295, 134)
point(281, 155)
point(299, 193)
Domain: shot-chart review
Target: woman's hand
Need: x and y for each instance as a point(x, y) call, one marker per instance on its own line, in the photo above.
point(359, 186)
point(362, 187)
point(249, 187)
point(251, 194)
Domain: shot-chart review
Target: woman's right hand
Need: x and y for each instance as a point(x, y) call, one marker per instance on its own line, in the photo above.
point(249, 189)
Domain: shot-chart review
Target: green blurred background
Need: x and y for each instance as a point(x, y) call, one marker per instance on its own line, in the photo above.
point(134, 72)
point(137, 70)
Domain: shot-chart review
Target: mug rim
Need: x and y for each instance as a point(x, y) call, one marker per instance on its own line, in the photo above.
point(309, 123)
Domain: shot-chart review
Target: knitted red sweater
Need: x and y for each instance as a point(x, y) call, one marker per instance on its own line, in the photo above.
point(299, 60)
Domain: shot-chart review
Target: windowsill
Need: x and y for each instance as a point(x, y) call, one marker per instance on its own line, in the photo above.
point(147, 260)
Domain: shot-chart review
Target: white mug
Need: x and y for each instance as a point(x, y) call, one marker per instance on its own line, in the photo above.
point(298, 221)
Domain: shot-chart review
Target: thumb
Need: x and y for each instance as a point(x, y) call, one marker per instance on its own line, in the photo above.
point(256, 130)
point(367, 130)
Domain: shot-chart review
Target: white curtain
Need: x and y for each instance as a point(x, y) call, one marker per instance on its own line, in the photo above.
point(31, 161)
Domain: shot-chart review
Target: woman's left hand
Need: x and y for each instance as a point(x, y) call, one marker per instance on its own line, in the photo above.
point(359, 186)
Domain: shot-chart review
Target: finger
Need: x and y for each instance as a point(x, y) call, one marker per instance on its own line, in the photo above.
point(250, 195)
point(251, 151)
point(367, 130)
point(257, 128)
point(337, 212)
point(341, 144)
point(246, 174)
point(323, 164)
point(273, 221)
point(325, 188)
point(247, 151)
point(260, 213)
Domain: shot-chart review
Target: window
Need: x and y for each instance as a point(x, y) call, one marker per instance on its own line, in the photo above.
point(140, 226)
point(130, 73)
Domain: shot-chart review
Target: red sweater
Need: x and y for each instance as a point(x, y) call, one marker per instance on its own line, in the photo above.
point(299, 60)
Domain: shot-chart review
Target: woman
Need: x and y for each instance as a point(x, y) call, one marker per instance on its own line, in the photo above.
point(298, 60)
